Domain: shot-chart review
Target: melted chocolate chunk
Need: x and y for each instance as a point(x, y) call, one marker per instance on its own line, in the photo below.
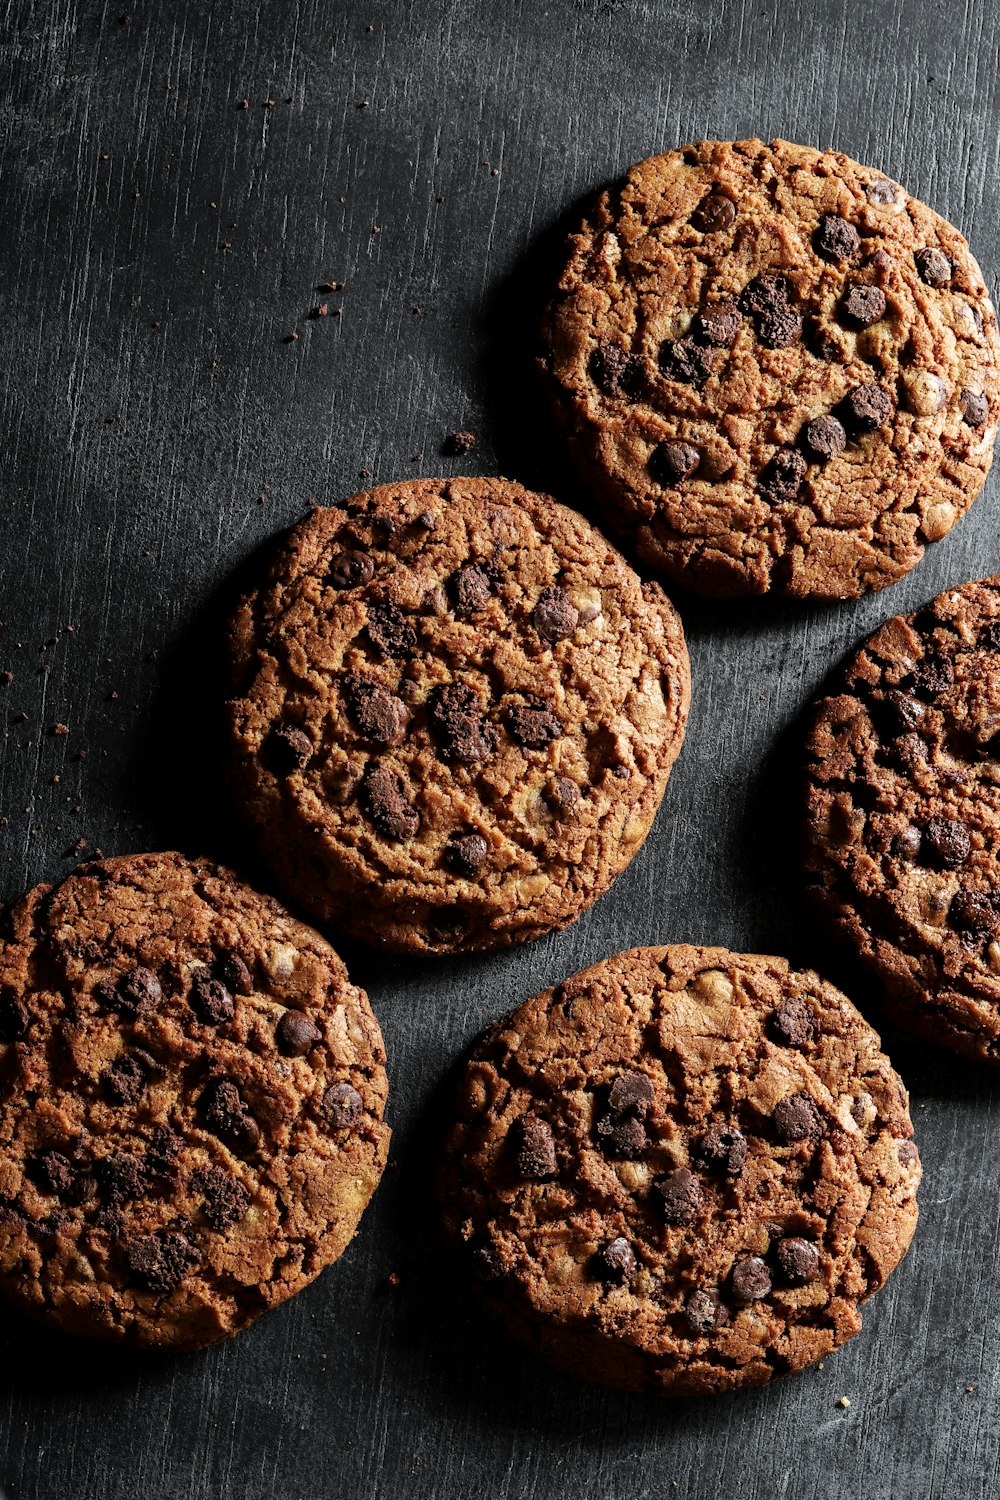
point(670, 463)
point(974, 407)
point(210, 1000)
point(534, 1148)
point(687, 361)
point(679, 1194)
point(799, 1260)
point(462, 731)
point(617, 373)
point(946, 843)
point(782, 478)
point(797, 1119)
point(225, 1200)
point(973, 911)
point(836, 238)
point(555, 616)
point(124, 1081)
point(533, 724)
point(377, 713)
point(867, 408)
point(704, 1311)
point(793, 1023)
point(471, 589)
point(290, 749)
point(722, 1148)
point(616, 1262)
point(385, 804)
point(390, 631)
point(161, 1261)
point(234, 973)
point(863, 306)
point(13, 1017)
point(824, 438)
point(933, 266)
point(719, 323)
point(749, 1280)
point(229, 1117)
point(136, 994)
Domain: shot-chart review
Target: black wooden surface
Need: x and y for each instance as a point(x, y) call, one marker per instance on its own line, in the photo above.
point(159, 244)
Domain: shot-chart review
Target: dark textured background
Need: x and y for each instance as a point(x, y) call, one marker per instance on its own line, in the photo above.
point(159, 243)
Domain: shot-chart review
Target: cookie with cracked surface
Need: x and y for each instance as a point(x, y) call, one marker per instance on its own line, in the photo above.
point(903, 815)
point(454, 711)
point(191, 1100)
point(681, 1171)
point(776, 369)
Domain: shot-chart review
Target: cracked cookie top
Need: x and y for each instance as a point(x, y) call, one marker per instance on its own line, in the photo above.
point(454, 711)
point(681, 1170)
point(903, 815)
point(777, 370)
point(191, 1099)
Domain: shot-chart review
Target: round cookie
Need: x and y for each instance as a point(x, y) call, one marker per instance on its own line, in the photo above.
point(191, 1099)
point(681, 1171)
point(454, 711)
point(903, 815)
point(776, 369)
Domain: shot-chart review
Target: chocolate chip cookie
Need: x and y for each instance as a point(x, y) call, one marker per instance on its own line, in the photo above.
point(681, 1171)
point(776, 369)
point(191, 1098)
point(454, 711)
point(903, 815)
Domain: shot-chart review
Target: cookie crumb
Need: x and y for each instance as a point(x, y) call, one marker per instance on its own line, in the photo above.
point(60, 729)
point(392, 1280)
point(457, 443)
point(844, 1402)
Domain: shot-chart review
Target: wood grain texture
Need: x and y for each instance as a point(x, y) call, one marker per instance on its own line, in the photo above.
point(160, 243)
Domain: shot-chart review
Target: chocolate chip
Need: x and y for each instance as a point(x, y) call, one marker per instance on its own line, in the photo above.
point(227, 1116)
point(13, 1017)
point(161, 1261)
point(797, 1118)
point(724, 1149)
point(290, 749)
point(719, 323)
point(908, 752)
point(234, 973)
point(907, 1153)
point(863, 306)
point(350, 569)
point(295, 1034)
point(136, 994)
point(768, 301)
point(881, 190)
point(704, 1311)
point(975, 408)
point(616, 1262)
point(989, 637)
point(466, 853)
point(52, 1172)
point(457, 719)
point(973, 911)
point(836, 238)
point(686, 361)
point(343, 1106)
point(714, 213)
point(226, 1200)
point(781, 480)
point(946, 843)
point(622, 1136)
point(749, 1280)
point(933, 266)
point(669, 463)
point(562, 795)
point(533, 724)
point(384, 802)
point(934, 676)
point(793, 1023)
point(160, 1163)
point(555, 616)
point(823, 439)
point(209, 999)
point(868, 407)
point(799, 1260)
point(679, 1194)
point(124, 1081)
point(534, 1148)
point(457, 443)
point(617, 373)
point(378, 714)
point(488, 1261)
point(120, 1177)
point(906, 844)
point(470, 588)
point(390, 630)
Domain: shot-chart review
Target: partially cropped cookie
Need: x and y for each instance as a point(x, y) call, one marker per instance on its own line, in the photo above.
point(776, 369)
point(454, 711)
point(903, 815)
point(681, 1171)
point(191, 1099)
